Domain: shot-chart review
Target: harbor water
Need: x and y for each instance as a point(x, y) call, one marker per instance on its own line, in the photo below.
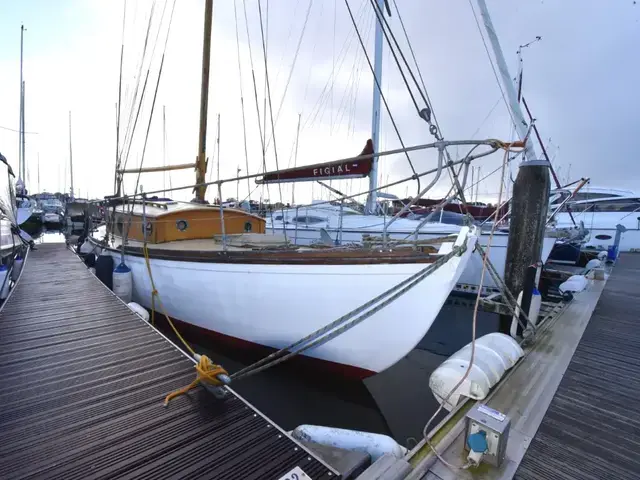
point(396, 402)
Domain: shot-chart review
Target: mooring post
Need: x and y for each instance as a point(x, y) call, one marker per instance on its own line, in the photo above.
point(526, 228)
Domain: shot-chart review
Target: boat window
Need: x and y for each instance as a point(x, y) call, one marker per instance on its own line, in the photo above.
point(278, 217)
point(182, 225)
point(308, 219)
point(590, 196)
point(622, 205)
point(580, 207)
point(149, 227)
point(603, 237)
point(247, 226)
point(119, 226)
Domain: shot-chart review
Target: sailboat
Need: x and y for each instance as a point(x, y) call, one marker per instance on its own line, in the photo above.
point(24, 207)
point(219, 272)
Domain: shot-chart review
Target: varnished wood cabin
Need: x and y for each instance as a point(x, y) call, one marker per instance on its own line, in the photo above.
point(171, 221)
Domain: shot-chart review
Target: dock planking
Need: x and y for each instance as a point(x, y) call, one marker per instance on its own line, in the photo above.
point(82, 384)
point(592, 427)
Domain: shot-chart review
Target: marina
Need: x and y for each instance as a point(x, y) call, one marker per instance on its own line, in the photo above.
point(455, 301)
point(557, 420)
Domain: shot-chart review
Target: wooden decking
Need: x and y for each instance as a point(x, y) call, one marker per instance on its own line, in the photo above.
point(82, 384)
point(592, 427)
point(573, 399)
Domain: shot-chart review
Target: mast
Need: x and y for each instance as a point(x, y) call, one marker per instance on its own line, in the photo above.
point(164, 151)
point(38, 172)
point(295, 161)
point(23, 174)
point(372, 199)
point(70, 159)
point(512, 96)
point(201, 162)
point(21, 121)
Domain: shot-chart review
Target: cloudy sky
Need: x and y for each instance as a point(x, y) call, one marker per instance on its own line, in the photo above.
point(581, 82)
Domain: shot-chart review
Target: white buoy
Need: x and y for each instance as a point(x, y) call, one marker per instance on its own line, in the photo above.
point(139, 310)
point(86, 247)
point(495, 354)
point(593, 263)
point(374, 444)
point(4, 282)
point(123, 282)
point(17, 268)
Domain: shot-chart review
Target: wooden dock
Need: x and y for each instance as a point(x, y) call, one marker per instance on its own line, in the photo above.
point(82, 384)
point(592, 427)
point(572, 400)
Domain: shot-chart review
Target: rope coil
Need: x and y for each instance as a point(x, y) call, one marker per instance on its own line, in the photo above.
point(207, 373)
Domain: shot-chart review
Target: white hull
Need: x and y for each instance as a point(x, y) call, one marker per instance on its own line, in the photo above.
point(51, 218)
point(602, 228)
point(275, 305)
point(470, 278)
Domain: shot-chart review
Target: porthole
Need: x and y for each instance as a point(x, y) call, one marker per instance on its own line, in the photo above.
point(603, 237)
point(248, 226)
point(182, 225)
point(148, 226)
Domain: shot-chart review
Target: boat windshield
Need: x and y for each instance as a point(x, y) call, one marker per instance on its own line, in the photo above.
point(609, 205)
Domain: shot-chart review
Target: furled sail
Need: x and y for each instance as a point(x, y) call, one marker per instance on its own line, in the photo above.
point(355, 167)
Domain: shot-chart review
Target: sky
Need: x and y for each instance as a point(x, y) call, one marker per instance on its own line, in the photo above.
point(581, 82)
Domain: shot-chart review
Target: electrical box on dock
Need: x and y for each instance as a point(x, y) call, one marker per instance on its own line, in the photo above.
point(495, 425)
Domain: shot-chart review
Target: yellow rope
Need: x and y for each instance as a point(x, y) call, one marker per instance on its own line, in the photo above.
point(207, 372)
point(154, 294)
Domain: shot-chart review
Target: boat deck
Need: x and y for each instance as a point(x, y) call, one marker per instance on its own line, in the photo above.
point(592, 427)
point(82, 385)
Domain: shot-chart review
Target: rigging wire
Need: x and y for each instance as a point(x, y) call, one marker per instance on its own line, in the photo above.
point(425, 430)
point(155, 95)
point(320, 103)
point(293, 65)
point(268, 96)
point(255, 95)
point(124, 18)
point(131, 129)
point(244, 123)
point(495, 73)
point(382, 96)
point(384, 26)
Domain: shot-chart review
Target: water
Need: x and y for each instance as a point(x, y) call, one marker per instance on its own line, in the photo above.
point(396, 402)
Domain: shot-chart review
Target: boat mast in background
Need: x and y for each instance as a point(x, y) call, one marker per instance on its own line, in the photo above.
point(372, 198)
point(23, 173)
point(201, 162)
point(21, 127)
point(295, 161)
point(70, 159)
point(521, 126)
point(164, 151)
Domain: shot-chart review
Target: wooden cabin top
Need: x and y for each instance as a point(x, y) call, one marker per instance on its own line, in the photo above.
point(155, 209)
point(168, 221)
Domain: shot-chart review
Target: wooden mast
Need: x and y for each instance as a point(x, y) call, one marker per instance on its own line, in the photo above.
point(201, 162)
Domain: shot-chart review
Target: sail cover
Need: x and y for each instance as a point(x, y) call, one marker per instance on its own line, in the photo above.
point(351, 168)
